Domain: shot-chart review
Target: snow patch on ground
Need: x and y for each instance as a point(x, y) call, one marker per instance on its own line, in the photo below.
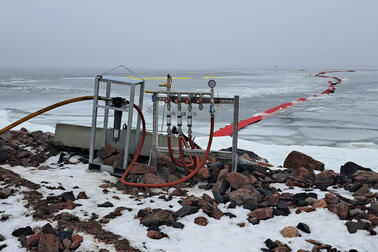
point(218, 235)
point(14, 207)
point(332, 157)
point(226, 235)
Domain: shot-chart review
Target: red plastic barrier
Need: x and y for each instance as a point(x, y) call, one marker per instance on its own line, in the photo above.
point(226, 131)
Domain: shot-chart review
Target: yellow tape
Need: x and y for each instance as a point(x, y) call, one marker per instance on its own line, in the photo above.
point(163, 78)
point(157, 78)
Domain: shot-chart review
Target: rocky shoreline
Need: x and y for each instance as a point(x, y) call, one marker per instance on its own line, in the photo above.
point(253, 187)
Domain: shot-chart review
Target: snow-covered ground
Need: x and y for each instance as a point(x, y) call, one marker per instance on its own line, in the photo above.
point(218, 235)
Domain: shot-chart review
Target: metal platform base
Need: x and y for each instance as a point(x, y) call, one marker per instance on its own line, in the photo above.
point(78, 136)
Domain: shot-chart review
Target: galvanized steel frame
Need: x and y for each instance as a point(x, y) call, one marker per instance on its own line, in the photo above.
point(109, 81)
point(205, 100)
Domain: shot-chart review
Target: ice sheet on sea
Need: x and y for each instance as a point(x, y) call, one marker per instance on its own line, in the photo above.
point(29, 126)
point(36, 89)
point(267, 131)
point(313, 108)
point(337, 134)
point(78, 78)
point(318, 142)
point(332, 117)
point(358, 145)
point(247, 91)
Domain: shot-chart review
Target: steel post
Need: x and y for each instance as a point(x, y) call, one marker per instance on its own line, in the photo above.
point(140, 104)
point(106, 113)
point(155, 134)
point(129, 125)
point(94, 120)
point(235, 134)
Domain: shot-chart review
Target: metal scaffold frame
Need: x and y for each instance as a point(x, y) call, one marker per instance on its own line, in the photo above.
point(109, 81)
point(206, 98)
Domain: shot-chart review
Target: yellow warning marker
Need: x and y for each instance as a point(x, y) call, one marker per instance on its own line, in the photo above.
point(131, 77)
point(157, 78)
point(163, 78)
point(154, 78)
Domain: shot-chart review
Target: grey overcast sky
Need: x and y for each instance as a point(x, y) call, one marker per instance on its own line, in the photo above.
point(188, 34)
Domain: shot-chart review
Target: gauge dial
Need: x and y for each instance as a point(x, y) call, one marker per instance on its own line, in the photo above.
point(212, 83)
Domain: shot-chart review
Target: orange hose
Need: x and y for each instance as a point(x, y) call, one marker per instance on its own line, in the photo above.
point(175, 160)
point(194, 146)
point(182, 157)
point(140, 143)
point(192, 163)
point(189, 176)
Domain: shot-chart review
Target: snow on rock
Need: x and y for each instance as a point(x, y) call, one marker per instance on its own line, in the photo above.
point(332, 157)
point(232, 232)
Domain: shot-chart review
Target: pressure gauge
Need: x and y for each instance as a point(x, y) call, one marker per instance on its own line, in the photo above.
point(212, 83)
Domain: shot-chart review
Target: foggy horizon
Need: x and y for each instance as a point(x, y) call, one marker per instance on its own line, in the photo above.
point(191, 35)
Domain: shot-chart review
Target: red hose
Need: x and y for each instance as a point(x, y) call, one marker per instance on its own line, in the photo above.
point(189, 176)
point(141, 140)
point(182, 157)
point(192, 146)
point(170, 151)
point(226, 131)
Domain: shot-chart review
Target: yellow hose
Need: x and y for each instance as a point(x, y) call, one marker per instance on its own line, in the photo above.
point(41, 111)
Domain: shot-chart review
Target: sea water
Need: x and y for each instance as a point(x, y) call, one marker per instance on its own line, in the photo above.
point(346, 118)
